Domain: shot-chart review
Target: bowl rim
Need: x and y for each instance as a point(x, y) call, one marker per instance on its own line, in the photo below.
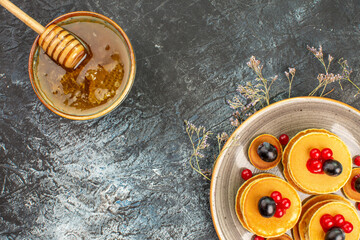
point(123, 94)
point(228, 142)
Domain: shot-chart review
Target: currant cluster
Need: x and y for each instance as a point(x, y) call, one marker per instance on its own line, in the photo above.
point(322, 162)
point(315, 163)
point(335, 227)
point(274, 205)
point(281, 204)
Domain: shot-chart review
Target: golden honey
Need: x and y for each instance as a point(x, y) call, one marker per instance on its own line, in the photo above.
point(95, 83)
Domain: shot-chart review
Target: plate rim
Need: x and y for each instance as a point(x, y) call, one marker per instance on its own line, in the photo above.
point(217, 162)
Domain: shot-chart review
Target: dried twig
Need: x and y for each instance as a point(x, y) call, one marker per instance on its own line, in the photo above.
point(198, 137)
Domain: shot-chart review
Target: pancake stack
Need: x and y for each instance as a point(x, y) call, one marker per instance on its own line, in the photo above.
point(296, 154)
point(248, 197)
point(309, 226)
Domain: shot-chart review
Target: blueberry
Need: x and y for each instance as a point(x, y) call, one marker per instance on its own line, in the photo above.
point(332, 167)
point(267, 207)
point(357, 185)
point(335, 233)
point(267, 152)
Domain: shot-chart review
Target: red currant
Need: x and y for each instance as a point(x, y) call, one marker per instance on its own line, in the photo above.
point(326, 153)
point(358, 206)
point(314, 165)
point(246, 174)
point(315, 153)
point(284, 139)
point(279, 212)
point(357, 160)
point(347, 227)
point(258, 238)
point(339, 220)
point(327, 222)
point(276, 196)
point(285, 203)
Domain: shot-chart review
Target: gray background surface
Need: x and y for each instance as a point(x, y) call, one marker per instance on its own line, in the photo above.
point(126, 175)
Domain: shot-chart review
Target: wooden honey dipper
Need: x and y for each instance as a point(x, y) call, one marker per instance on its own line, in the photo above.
point(62, 46)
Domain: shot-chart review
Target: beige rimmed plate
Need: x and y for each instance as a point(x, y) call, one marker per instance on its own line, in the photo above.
point(288, 116)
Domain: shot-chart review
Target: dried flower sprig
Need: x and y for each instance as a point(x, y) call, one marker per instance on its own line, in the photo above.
point(252, 97)
point(252, 94)
point(264, 83)
point(222, 138)
point(346, 71)
point(320, 56)
point(327, 78)
point(254, 101)
point(198, 137)
point(324, 79)
point(291, 72)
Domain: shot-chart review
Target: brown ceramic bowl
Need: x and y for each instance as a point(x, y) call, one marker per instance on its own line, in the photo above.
point(128, 59)
point(289, 116)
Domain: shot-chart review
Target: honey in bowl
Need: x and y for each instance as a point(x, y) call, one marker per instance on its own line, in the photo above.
point(95, 85)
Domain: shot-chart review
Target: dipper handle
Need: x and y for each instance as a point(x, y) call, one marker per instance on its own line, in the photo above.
point(59, 44)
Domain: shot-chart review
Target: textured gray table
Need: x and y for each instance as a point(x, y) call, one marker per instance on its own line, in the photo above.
point(126, 175)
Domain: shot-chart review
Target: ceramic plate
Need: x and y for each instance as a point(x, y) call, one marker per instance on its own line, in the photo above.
point(288, 116)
